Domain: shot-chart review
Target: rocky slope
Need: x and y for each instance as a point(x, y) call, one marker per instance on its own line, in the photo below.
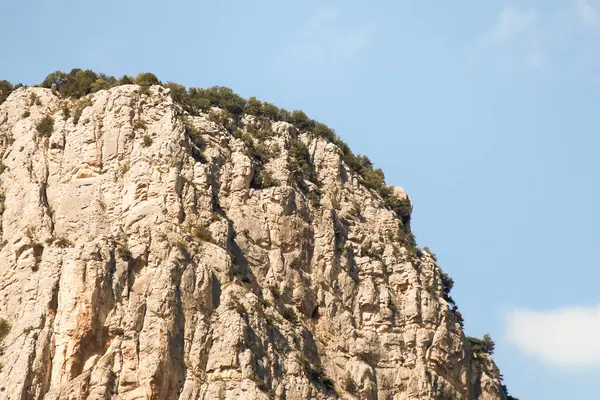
point(140, 259)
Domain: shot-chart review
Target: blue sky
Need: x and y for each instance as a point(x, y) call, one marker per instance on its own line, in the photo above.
point(486, 112)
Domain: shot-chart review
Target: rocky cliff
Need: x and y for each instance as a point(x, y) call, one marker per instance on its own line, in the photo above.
point(151, 254)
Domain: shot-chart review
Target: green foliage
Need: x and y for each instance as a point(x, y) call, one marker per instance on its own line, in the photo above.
point(124, 252)
point(202, 233)
point(299, 161)
point(77, 83)
point(290, 315)
point(26, 114)
point(66, 112)
point(146, 79)
point(6, 88)
point(349, 384)
point(79, 107)
point(264, 179)
point(146, 141)
point(253, 107)
point(125, 80)
point(485, 345)
point(324, 131)
point(63, 242)
point(301, 121)
point(447, 285)
point(4, 329)
point(270, 111)
point(178, 92)
point(195, 137)
point(46, 126)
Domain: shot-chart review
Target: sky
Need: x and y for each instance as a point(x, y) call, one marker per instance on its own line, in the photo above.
point(485, 112)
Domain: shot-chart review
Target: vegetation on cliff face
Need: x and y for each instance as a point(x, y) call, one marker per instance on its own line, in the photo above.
point(79, 83)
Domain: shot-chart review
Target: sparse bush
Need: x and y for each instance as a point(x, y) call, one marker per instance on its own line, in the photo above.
point(139, 124)
point(79, 107)
point(6, 88)
point(349, 384)
point(63, 242)
point(182, 246)
point(46, 126)
point(301, 121)
point(324, 131)
point(178, 92)
point(146, 141)
point(299, 162)
point(447, 285)
point(125, 80)
point(124, 252)
point(146, 79)
point(66, 112)
point(270, 111)
point(485, 345)
point(26, 114)
point(202, 233)
point(4, 329)
point(198, 144)
point(264, 179)
point(290, 315)
point(253, 107)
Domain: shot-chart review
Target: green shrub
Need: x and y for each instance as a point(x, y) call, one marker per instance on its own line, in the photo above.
point(301, 121)
point(299, 161)
point(290, 315)
point(79, 107)
point(46, 126)
point(124, 252)
point(26, 114)
point(4, 329)
point(66, 112)
point(324, 131)
point(139, 124)
point(264, 179)
point(177, 92)
point(202, 233)
point(63, 242)
point(270, 111)
point(253, 107)
point(349, 384)
point(195, 137)
point(6, 88)
point(485, 345)
point(146, 141)
point(125, 80)
point(146, 79)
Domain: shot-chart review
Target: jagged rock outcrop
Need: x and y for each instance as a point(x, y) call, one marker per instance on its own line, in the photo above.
point(140, 260)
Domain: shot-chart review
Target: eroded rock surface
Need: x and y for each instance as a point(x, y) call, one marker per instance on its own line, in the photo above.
point(136, 265)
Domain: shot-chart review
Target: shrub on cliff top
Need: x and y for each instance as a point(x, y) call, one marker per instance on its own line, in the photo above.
point(485, 345)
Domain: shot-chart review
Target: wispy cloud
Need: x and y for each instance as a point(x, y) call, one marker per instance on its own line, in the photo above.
point(326, 44)
point(526, 40)
point(566, 337)
point(587, 12)
point(514, 40)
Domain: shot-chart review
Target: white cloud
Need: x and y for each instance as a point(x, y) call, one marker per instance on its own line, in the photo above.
point(326, 45)
point(524, 40)
point(511, 25)
point(566, 337)
point(587, 12)
point(513, 41)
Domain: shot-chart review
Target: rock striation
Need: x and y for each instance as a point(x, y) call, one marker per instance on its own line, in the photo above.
point(141, 258)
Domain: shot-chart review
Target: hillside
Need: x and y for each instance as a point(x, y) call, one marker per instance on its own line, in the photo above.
point(166, 243)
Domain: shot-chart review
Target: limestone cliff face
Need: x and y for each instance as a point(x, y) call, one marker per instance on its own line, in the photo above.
point(134, 265)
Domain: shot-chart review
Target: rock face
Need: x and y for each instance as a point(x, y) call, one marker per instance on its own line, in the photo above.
point(135, 265)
